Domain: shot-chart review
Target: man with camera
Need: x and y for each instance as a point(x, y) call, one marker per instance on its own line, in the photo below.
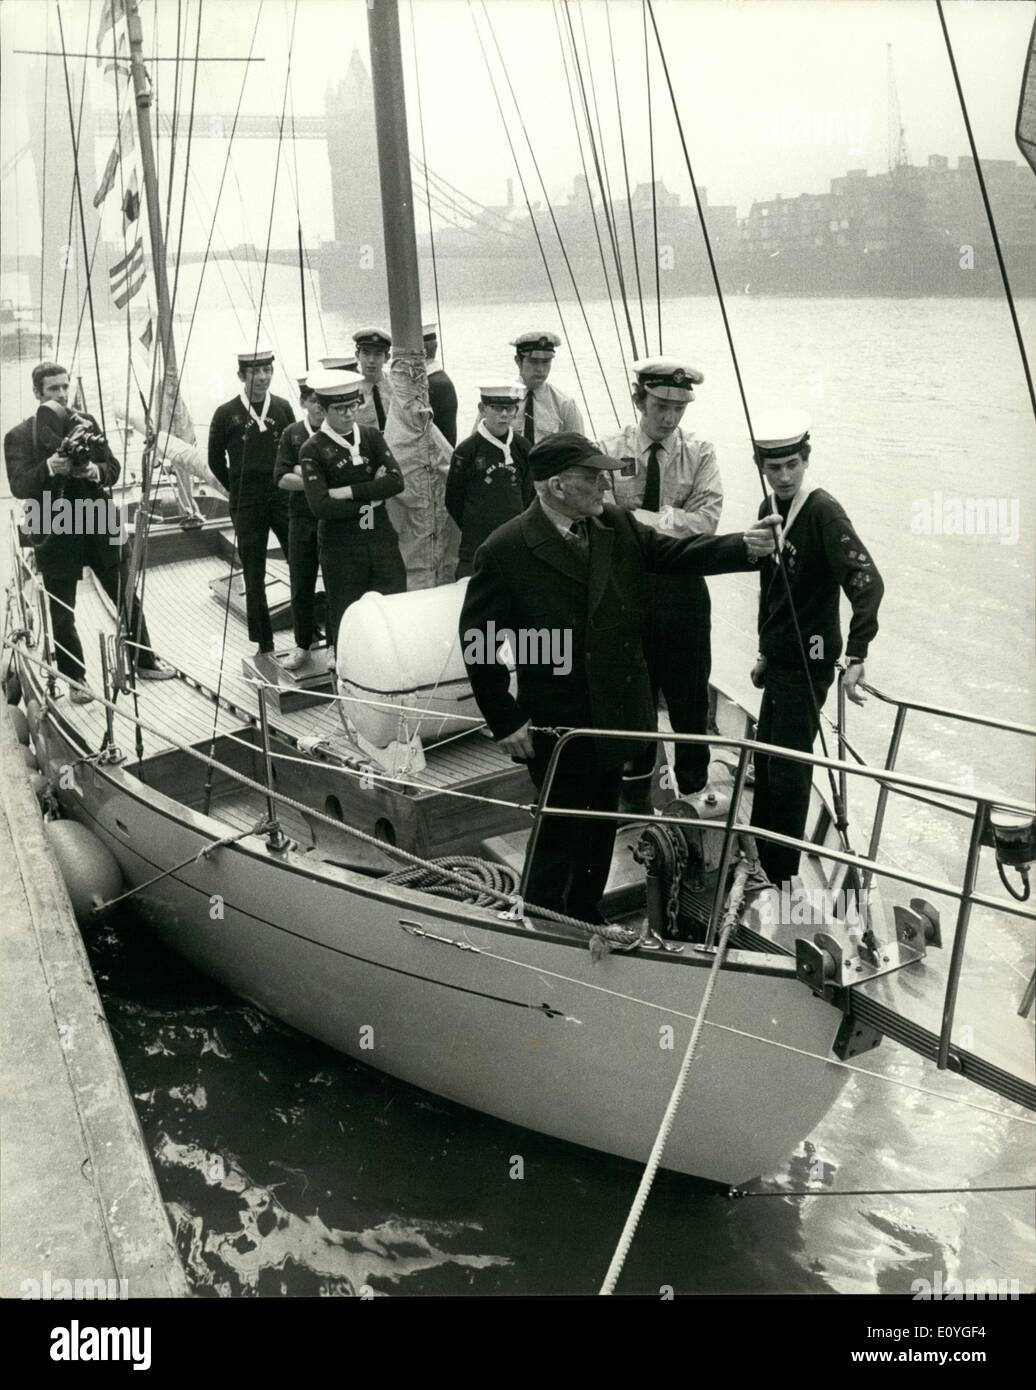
point(52, 477)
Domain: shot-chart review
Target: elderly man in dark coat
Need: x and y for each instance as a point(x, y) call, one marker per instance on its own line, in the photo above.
point(567, 582)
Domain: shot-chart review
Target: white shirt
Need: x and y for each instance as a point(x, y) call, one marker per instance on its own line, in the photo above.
point(367, 415)
point(690, 491)
point(552, 413)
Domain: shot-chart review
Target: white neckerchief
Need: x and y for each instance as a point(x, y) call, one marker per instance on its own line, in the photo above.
point(260, 420)
point(504, 445)
point(352, 445)
point(797, 502)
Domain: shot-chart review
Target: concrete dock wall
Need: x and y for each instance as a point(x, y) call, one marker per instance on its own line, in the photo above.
point(78, 1195)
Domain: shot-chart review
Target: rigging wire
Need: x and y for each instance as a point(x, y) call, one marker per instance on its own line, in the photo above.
point(561, 244)
point(424, 161)
point(298, 207)
point(82, 217)
point(258, 330)
point(66, 251)
point(589, 193)
point(836, 798)
point(626, 172)
point(600, 161)
point(43, 193)
point(988, 208)
point(651, 156)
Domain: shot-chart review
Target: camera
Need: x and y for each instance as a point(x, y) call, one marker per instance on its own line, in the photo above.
point(80, 445)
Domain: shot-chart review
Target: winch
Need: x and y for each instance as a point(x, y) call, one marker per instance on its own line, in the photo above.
point(682, 864)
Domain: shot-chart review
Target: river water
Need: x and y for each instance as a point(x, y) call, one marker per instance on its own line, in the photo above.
point(288, 1169)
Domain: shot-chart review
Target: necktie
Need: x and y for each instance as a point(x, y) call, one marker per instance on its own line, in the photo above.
point(578, 538)
point(653, 487)
point(529, 428)
point(379, 409)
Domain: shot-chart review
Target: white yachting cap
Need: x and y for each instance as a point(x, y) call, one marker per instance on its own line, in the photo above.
point(373, 337)
point(501, 393)
point(429, 330)
point(536, 340)
point(334, 387)
point(254, 357)
point(343, 363)
point(780, 432)
point(669, 378)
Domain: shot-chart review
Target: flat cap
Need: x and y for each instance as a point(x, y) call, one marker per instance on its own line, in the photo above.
point(560, 451)
point(668, 378)
point(780, 433)
point(334, 388)
point(372, 337)
point(537, 340)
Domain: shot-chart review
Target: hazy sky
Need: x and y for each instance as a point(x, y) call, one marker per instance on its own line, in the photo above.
point(777, 96)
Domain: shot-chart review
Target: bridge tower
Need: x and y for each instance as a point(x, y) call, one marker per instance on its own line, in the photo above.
point(352, 267)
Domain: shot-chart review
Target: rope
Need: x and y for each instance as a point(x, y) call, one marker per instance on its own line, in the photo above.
point(840, 823)
point(989, 211)
point(257, 829)
point(497, 878)
point(613, 934)
point(669, 1118)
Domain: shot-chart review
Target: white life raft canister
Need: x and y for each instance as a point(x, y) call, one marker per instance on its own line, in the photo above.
point(402, 652)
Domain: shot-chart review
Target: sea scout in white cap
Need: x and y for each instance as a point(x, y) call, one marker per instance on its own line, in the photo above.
point(254, 357)
point(668, 378)
point(335, 388)
point(780, 433)
point(545, 409)
point(507, 393)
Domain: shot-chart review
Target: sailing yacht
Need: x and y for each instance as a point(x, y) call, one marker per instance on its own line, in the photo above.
point(351, 857)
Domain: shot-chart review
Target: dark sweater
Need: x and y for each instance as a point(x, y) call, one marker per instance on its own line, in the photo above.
point(288, 452)
point(823, 555)
point(482, 492)
point(241, 455)
point(442, 397)
point(375, 476)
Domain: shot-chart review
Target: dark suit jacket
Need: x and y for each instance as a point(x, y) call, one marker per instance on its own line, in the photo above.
point(528, 578)
point(442, 397)
point(26, 460)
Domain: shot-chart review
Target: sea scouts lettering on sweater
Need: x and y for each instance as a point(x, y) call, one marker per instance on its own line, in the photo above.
point(362, 462)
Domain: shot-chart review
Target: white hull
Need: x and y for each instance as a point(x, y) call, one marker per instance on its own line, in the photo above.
point(524, 1027)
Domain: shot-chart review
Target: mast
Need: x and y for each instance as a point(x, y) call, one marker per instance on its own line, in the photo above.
point(397, 194)
point(166, 345)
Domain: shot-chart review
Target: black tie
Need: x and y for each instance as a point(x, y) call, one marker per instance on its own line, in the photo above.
point(578, 538)
point(653, 486)
point(379, 409)
point(529, 429)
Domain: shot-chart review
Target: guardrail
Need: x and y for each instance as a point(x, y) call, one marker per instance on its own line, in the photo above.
point(984, 802)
